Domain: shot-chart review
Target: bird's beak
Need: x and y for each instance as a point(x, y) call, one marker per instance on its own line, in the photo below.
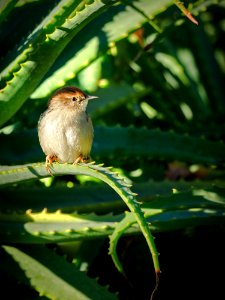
point(89, 97)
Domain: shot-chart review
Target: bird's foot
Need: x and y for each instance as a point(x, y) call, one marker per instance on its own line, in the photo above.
point(81, 158)
point(48, 162)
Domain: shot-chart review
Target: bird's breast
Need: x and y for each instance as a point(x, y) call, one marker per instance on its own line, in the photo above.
point(66, 134)
point(78, 134)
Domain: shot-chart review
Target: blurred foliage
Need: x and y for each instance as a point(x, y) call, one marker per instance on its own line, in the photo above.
point(159, 121)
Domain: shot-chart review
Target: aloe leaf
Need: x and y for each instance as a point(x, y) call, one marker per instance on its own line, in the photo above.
point(52, 276)
point(166, 195)
point(114, 25)
point(182, 219)
point(120, 229)
point(156, 144)
point(16, 174)
point(48, 40)
point(45, 227)
point(14, 30)
point(123, 142)
point(182, 203)
point(169, 213)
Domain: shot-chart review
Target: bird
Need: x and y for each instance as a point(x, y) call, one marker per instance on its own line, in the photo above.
point(65, 130)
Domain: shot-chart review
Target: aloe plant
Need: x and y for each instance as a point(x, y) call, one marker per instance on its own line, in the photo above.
point(158, 122)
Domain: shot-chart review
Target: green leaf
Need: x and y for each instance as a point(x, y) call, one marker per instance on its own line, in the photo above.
point(52, 276)
point(120, 229)
point(183, 219)
point(156, 144)
point(16, 174)
point(94, 41)
point(82, 199)
point(45, 227)
point(123, 142)
point(25, 72)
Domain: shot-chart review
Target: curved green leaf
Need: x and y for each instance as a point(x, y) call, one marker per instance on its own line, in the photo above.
point(16, 174)
point(48, 40)
point(52, 276)
point(120, 229)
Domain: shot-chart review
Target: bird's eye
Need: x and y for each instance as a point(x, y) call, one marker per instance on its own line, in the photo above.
point(74, 98)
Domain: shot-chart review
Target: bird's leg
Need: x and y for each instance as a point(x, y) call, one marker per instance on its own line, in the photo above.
point(81, 158)
point(48, 162)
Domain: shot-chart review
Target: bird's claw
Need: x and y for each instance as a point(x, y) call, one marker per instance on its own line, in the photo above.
point(82, 159)
point(48, 162)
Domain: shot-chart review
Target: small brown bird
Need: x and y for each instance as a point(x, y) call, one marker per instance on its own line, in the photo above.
point(65, 130)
